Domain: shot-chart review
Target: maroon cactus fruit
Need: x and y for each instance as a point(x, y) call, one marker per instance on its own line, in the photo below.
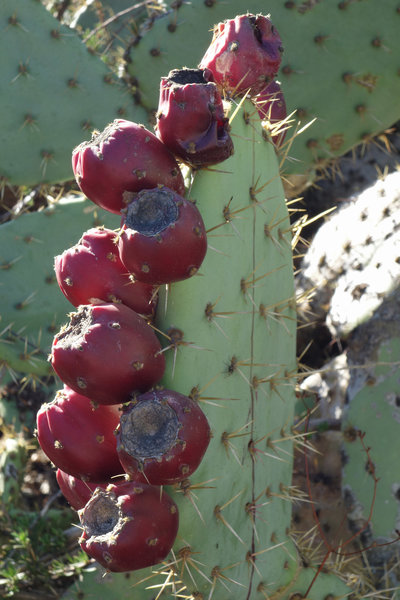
point(91, 271)
point(78, 492)
point(162, 437)
point(191, 119)
point(271, 107)
point(77, 435)
point(124, 157)
point(162, 238)
point(107, 352)
point(245, 53)
point(129, 526)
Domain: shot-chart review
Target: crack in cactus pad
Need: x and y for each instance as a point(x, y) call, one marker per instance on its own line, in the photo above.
point(232, 330)
point(32, 305)
point(340, 65)
point(121, 22)
point(54, 92)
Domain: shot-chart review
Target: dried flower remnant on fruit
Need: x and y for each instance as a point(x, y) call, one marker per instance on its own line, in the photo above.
point(129, 526)
point(163, 237)
point(100, 346)
point(162, 437)
point(190, 119)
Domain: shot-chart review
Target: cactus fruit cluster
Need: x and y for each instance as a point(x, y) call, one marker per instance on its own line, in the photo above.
point(347, 47)
point(202, 386)
point(108, 355)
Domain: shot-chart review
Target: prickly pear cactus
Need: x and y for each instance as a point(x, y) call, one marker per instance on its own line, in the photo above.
point(53, 90)
point(231, 345)
point(339, 67)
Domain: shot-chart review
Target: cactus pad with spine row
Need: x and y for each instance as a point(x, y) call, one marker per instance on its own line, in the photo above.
point(53, 90)
point(373, 409)
point(32, 305)
point(231, 346)
point(371, 481)
point(340, 65)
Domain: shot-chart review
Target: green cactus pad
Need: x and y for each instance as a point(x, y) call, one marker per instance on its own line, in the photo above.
point(13, 454)
point(96, 582)
point(32, 305)
point(53, 90)
point(374, 410)
point(340, 66)
point(236, 354)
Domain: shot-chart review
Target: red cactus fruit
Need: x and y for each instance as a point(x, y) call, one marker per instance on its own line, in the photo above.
point(191, 119)
point(129, 526)
point(124, 157)
point(92, 270)
point(162, 437)
point(77, 435)
point(271, 107)
point(78, 492)
point(162, 238)
point(107, 352)
point(245, 53)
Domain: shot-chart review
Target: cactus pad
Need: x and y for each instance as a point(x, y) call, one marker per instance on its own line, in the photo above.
point(53, 90)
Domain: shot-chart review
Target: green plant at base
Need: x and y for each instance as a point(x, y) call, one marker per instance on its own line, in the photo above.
point(35, 552)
